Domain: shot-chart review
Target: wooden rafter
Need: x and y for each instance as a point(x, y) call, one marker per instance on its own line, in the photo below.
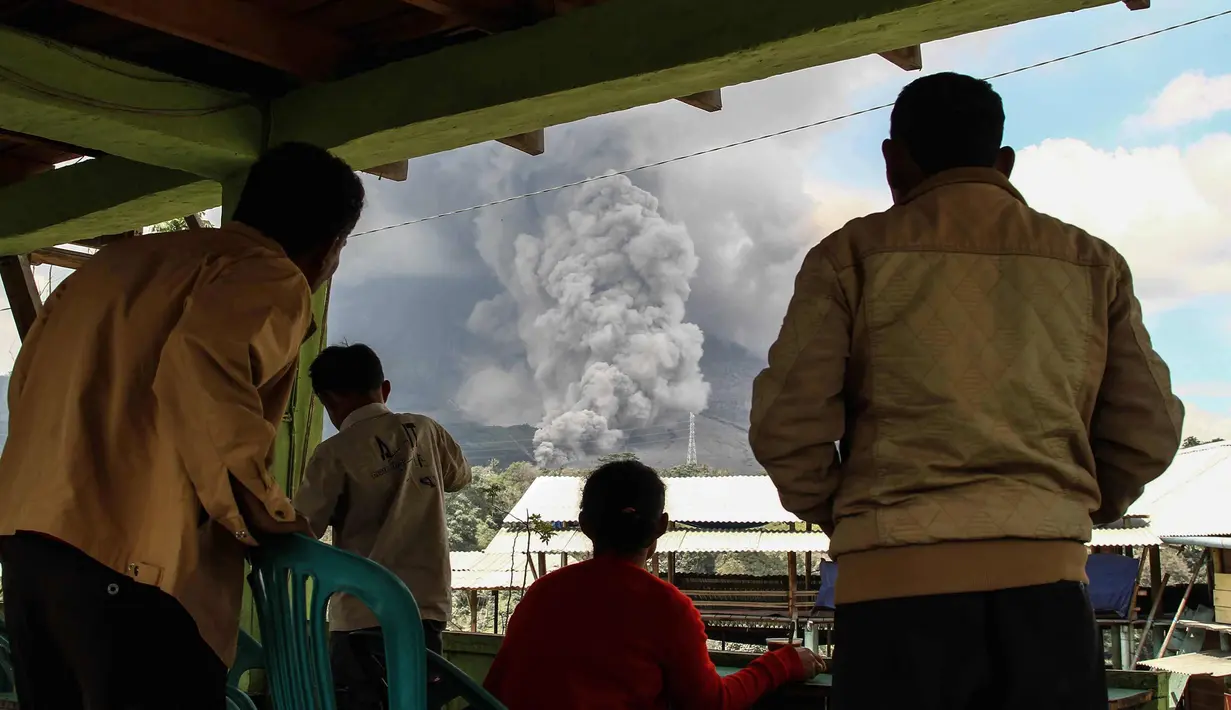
point(101, 241)
point(245, 29)
point(907, 58)
point(391, 171)
point(1137, 4)
point(705, 100)
point(24, 299)
point(532, 143)
point(56, 256)
point(472, 13)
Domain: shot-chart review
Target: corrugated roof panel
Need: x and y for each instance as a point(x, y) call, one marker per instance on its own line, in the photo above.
point(507, 541)
point(1192, 497)
point(1124, 537)
point(701, 499)
point(498, 571)
point(1211, 663)
point(742, 541)
point(463, 560)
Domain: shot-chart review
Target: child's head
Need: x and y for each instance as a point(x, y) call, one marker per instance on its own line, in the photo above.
point(622, 509)
point(346, 377)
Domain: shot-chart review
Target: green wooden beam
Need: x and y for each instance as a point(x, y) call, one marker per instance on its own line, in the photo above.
point(102, 196)
point(85, 99)
point(636, 52)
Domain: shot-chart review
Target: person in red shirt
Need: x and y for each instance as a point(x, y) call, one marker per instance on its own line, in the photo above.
point(618, 636)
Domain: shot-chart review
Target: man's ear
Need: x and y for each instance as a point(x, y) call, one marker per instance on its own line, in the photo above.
point(1005, 160)
point(385, 388)
point(663, 523)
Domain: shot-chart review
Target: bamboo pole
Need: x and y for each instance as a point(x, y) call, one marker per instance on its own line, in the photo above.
point(1154, 607)
point(1183, 602)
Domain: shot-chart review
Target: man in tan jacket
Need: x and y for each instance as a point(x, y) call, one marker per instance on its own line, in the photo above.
point(145, 402)
point(380, 482)
point(993, 392)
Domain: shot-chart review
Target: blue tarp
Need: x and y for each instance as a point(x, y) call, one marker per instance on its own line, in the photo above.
point(1113, 583)
point(829, 582)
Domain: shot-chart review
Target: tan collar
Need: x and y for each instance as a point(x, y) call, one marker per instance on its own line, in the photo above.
point(367, 411)
point(987, 176)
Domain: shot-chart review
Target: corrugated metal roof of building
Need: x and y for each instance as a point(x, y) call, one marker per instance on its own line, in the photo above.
point(1124, 537)
point(1192, 497)
point(491, 570)
point(1211, 663)
point(463, 560)
point(700, 499)
point(574, 542)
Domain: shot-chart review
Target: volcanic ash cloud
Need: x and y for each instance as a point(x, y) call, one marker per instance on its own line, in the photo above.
point(598, 300)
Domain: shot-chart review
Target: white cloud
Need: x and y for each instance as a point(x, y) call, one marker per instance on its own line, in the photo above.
point(1219, 390)
point(1206, 425)
point(1189, 98)
point(1167, 209)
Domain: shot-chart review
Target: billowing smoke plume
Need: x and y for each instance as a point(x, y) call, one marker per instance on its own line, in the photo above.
point(598, 302)
point(742, 219)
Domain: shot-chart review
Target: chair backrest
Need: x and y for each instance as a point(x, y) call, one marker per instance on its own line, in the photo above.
point(292, 579)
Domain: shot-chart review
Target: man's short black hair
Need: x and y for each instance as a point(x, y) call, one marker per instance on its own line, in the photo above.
point(949, 121)
point(346, 369)
point(300, 196)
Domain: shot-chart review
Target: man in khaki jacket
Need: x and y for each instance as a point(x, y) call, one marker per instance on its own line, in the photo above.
point(986, 373)
point(144, 405)
point(380, 482)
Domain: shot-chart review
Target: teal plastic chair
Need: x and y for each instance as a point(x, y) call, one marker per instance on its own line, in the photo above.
point(8, 683)
point(292, 579)
point(248, 656)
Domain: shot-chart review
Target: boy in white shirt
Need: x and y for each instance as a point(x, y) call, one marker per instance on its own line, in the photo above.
point(380, 482)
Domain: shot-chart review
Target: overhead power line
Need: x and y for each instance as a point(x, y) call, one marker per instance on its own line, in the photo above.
point(783, 132)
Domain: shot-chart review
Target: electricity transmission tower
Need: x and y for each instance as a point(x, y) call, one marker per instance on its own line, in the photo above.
point(692, 440)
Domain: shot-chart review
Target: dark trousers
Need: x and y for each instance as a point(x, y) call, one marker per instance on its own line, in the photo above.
point(1014, 649)
point(84, 636)
point(358, 662)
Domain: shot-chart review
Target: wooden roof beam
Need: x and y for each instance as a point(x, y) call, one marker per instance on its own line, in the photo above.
point(391, 171)
point(1137, 4)
point(907, 58)
point(57, 256)
point(532, 143)
point(473, 13)
point(244, 29)
point(24, 299)
point(64, 92)
point(709, 101)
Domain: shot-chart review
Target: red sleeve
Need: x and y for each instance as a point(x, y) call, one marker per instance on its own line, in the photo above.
point(692, 681)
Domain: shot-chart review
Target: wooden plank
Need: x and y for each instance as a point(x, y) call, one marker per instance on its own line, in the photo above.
point(244, 29)
point(56, 256)
point(791, 584)
point(1222, 597)
point(1222, 614)
point(532, 143)
point(907, 58)
point(24, 299)
point(391, 171)
point(473, 598)
point(709, 101)
point(1222, 580)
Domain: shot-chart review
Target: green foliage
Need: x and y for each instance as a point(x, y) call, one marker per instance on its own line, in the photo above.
point(178, 224)
point(1191, 441)
point(612, 458)
point(476, 512)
